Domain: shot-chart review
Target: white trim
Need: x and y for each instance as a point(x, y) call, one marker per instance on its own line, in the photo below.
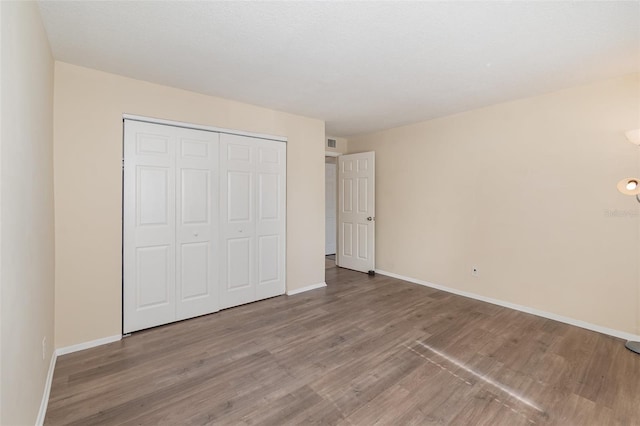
point(307, 288)
point(86, 345)
point(202, 127)
point(52, 366)
point(521, 308)
point(332, 154)
point(47, 390)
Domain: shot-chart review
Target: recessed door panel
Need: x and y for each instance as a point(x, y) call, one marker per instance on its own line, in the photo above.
point(152, 276)
point(268, 252)
point(347, 239)
point(269, 155)
point(239, 196)
point(239, 263)
point(347, 195)
point(147, 143)
point(362, 241)
point(240, 152)
point(152, 194)
point(194, 277)
point(361, 195)
point(195, 196)
point(269, 194)
point(195, 148)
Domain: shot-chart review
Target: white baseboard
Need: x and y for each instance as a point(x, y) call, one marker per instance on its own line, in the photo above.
point(87, 345)
point(52, 366)
point(307, 288)
point(571, 321)
point(47, 390)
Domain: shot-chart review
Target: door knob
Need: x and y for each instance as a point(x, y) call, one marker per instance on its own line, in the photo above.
point(369, 218)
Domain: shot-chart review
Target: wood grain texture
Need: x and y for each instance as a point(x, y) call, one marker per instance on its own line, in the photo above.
point(362, 351)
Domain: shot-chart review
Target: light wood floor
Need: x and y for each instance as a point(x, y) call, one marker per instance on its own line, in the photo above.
point(363, 351)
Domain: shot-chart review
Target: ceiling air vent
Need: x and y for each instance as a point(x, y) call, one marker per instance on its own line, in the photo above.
point(331, 143)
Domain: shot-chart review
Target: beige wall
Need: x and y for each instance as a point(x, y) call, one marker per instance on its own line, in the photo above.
point(26, 200)
point(87, 150)
point(524, 191)
point(342, 145)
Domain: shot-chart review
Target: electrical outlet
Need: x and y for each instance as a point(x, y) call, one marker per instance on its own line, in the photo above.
point(44, 347)
point(475, 271)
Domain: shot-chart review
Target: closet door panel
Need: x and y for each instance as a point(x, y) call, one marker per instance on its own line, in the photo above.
point(237, 220)
point(270, 221)
point(149, 226)
point(197, 223)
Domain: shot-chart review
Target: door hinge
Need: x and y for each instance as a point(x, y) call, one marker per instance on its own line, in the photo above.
point(123, 164)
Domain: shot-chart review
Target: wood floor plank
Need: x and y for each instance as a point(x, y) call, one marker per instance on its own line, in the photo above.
point(362, 351)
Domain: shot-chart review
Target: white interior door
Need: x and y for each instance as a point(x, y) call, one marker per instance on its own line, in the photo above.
point(330, 213)
point(252, 212)
point(197, 223)
point(149, 226)
point(356, 211)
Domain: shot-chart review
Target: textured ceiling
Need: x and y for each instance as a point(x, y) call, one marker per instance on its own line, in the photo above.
point(360, 66)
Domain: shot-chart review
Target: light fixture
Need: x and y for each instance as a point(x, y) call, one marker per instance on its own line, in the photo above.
point(631, 186)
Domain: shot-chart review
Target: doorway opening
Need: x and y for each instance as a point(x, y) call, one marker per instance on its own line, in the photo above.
point(350, 211)
point(331, 210)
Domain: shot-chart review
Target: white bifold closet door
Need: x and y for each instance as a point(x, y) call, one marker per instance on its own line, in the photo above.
point(204, 222)
point(252, 213)
point(170, 224)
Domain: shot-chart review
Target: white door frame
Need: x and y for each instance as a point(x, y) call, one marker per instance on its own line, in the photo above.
point(331, 168)
point(335, 154)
